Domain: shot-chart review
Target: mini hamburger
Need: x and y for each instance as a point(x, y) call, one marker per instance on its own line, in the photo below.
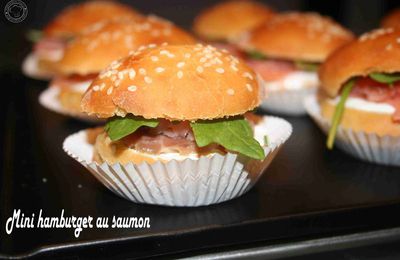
point(361, 86)
point(174, 102)
point(287, 51)
point(51, 41)
point(86, 55)
point(392, 19)
point(224, 22)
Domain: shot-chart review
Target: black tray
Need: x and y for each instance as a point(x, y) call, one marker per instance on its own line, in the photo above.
point(307, 194)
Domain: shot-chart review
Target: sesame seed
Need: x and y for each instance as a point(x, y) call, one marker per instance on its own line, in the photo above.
point(187, 55)
point(233, 67)
point(109, 91)
point(180, 64)
point(117, 82)
point(120, 75)
point(199, 69)
point(179, 74)
point(220, 70)
point(247, 75)
point(203, 59)
point(132, 74)
point(154, 58)
point(151, 45)
point(398, 40)
point(132, 88)
point(96, 88)
point(249, 87)
point(160, 69)
point(148, 80)
point(142, 71)
point(230, 92)
point(102, 86)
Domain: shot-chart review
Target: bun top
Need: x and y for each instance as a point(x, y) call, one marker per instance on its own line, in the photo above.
point(297, 36)
point(392, 19)
point(75, 18)
point(376, 51)
point(181, 82)
point(227, 20)
point(103, 43)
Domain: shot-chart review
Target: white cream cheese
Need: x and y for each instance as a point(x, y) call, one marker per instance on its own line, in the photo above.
point(81, 86)
point(365, 105)
point(294, 81)
point(78, 87)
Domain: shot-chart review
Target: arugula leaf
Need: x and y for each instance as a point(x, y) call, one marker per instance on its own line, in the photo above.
point(256, 55)
point(337, 116)
point(119, 127)
point(234, 134)
point(385, 78)
point(34, 35)
point(307, 66)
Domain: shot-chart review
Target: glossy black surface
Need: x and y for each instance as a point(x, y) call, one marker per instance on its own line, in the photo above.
point(306, 192)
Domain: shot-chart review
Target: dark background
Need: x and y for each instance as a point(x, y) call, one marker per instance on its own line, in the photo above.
point(24, 117)
point(358, 15)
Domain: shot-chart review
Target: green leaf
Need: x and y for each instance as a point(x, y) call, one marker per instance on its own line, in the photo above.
point(256, 55)
point(337, 117)
point(234, 134)
point(34, 35)
point(119, 127)
point(307, 66)
point(385, 78)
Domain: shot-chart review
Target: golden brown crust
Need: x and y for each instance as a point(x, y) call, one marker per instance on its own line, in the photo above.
point(392, 19)
point(75, 18)
point(186, 82)
point(116, 152)
point(47, 65)
point(358, 120)
point(227, 20)
point(297, 36)
point(70, 100)
point(377, 51)
point(97, 48)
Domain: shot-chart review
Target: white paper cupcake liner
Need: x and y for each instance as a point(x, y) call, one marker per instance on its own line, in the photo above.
point(365, 146)
point(190, 182)
point(31, 69)
point(288, 102)
point(49, 99)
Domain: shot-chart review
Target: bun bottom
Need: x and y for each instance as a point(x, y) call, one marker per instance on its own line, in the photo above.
point(70, 99)
point(360, 120)
point(116, 152)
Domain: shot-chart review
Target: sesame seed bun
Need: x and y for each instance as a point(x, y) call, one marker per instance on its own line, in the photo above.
point(93, 50)
point(392, 19)
point(186, 82)
point(297, 36)
point(75, 18)
point(227, 20)
point(360, 120)
point(377, 51)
